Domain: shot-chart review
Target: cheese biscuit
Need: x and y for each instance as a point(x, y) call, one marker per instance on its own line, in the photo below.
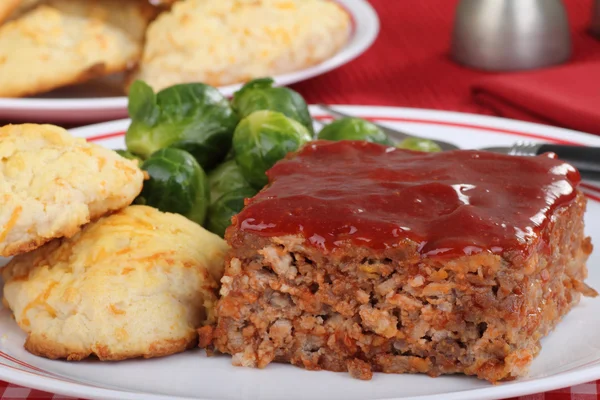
point(47, 48)
point(232, 41)
point(52, 183)
point(137, 283)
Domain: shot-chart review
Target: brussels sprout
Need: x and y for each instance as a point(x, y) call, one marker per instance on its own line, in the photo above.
point(225, 178)
point(225, 207)
point(129, 155)
point(177, 184)
point(418, 144)
point(260, 94)
point(230, 155)
point(263, 138)
point(354, 129)
point(194, 117)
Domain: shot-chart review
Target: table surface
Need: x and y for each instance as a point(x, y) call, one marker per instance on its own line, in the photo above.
point(409, 63)
point(586, 391)
point(409, 66)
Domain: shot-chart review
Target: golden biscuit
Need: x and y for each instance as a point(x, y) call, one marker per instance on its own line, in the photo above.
point(47, 48)
point(231, 41)
point(22, 7)
point(134, 284)
point(132, 16)
point(7, 7)
point(163, 3)
point(52, 183)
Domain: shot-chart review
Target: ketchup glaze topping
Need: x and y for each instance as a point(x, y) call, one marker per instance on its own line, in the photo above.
point(451, 203)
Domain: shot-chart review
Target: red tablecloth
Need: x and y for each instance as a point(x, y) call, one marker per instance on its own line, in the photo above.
point(586, 391)
point(409, 66)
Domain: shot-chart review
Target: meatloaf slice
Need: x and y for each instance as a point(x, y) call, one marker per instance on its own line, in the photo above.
point(348, 272)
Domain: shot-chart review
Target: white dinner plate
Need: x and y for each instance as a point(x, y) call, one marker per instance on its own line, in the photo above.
point(100, 100)
point(570, 355)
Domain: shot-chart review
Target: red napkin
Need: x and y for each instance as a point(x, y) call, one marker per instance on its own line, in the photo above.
point(567, 96)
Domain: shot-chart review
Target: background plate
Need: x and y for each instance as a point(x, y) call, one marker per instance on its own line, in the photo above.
point(96, 100)
point(570, 355)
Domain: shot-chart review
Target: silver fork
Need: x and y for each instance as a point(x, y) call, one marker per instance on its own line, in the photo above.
point(392, 133)
point(585, 158)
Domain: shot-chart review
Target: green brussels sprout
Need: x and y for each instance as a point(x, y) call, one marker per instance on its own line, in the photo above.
point(225, 178)
point(230, 155)
point(418, 144)
point(263, 138)
point(259, 94)
point(129, 156)
point(194, 117)
point(350, 128)
point(177, 184)
point(225, 207)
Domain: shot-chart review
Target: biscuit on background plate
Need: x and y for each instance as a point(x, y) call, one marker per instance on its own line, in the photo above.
point(231, 41)
point(134, 284)
point(47, 48)
point(132, 16)
point(20, 7)
point(163, 3)
point(138, 11)
point(7, 7)
point(52, 183)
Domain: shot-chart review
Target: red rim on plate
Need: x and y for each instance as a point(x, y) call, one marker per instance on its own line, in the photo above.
point(584, 370)
point(527, 135)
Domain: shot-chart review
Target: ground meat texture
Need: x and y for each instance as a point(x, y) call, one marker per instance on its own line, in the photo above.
point(366, 258)
point(394, 311)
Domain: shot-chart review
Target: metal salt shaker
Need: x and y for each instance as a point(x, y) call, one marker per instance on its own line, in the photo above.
point(595, 27)
point(510, 35)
